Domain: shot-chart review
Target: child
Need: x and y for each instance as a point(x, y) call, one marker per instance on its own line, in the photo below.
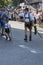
point(7, 31)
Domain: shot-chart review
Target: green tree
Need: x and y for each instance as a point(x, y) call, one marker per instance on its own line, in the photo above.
point(16, 2)
point(5, 2)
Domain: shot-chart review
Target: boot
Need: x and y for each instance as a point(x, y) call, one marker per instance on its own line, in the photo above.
point(30, 38)
point(25, 38)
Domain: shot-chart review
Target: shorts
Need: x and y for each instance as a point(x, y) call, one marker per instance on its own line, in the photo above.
point(21, 17)
point(42, 20)
point(28, 24)
point(7, 30)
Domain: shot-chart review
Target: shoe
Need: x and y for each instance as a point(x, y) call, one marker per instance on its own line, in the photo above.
point(35, 33)
point(2, 34)
point(25, 38)
point(30, 39)
point(6, 38)
point(10, 39)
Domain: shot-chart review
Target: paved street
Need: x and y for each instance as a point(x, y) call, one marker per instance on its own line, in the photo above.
point(19, 52)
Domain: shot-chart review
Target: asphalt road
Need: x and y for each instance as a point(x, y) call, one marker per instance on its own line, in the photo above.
point(19, 52)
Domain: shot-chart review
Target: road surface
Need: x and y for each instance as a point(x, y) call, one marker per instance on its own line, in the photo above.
point(19, 52)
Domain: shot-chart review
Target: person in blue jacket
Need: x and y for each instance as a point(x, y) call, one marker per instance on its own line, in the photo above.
point(3, 20)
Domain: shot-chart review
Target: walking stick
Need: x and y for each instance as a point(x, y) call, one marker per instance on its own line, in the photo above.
point(37, 31)
point(39, 34)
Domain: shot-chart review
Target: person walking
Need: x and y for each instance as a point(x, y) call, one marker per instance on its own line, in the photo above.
point(3, 20)
point(36, 21)
point(28, 20)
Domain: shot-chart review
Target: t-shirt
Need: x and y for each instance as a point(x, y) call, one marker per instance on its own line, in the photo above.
point(21, 14)
point(7, 26)
point(36, 16)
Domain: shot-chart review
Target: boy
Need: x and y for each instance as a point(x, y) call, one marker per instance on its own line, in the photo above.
point(7, 31)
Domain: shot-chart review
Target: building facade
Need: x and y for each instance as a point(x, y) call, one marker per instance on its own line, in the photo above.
point(37, 4)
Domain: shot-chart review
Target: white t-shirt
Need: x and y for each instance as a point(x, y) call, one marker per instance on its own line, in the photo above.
point(21, 14)
point(7, 26)
point(36, 16)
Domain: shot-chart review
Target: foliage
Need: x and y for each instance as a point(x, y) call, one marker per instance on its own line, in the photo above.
point(5, 2)
point(16, 2)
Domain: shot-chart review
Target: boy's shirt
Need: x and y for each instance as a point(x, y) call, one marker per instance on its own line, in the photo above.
point(7, 26)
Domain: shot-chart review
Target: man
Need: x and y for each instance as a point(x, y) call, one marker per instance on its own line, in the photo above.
point(28, 19)
point(7, 31)
point(36, 21)
point(3, 20)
